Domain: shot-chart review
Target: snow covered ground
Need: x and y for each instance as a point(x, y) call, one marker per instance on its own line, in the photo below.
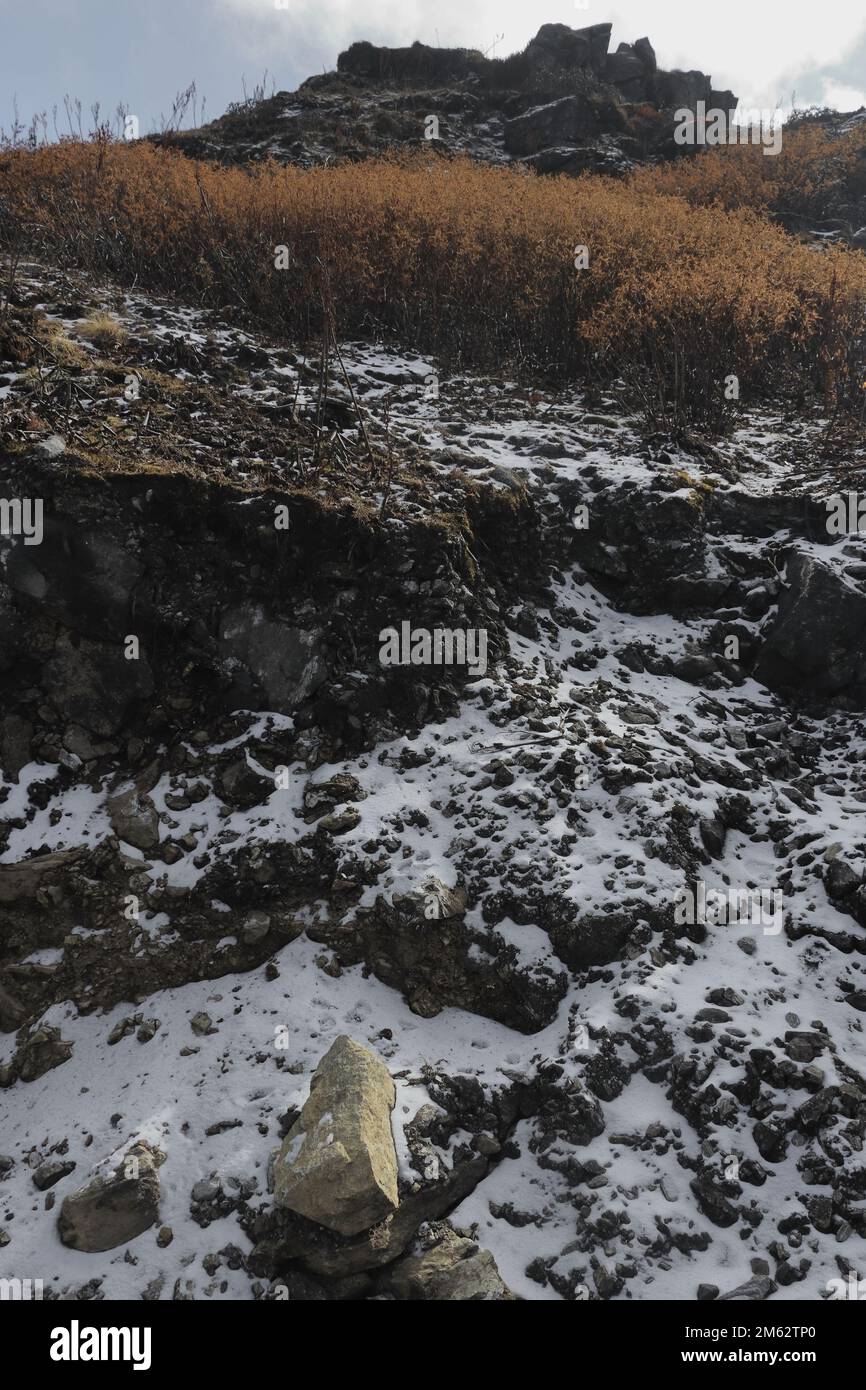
point(480, 802)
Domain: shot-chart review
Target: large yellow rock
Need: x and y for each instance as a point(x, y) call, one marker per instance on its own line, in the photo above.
point(338, 1165)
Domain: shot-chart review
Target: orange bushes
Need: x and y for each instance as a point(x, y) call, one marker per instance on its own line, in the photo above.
point(813, 170)
point(472, 262)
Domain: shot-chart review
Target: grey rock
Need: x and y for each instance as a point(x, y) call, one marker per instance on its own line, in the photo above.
point(134, 818)
point(568, 121)
point(286, 662)
point(50, 1172)
point(115, 1206)
point(338, 1165)
point(255, 928)
point(453, 1270)
point(817, 643)
point(755, 1289)
point(840, 879)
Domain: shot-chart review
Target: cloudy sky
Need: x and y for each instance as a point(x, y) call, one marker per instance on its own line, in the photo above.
point(142, 52)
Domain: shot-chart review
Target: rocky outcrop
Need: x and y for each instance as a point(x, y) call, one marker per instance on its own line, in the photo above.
point(114, 1207)
point(418, 64)
point(420, 943)
point(132, 573)
point(491, 108)
point(570, 121)
point(338, 1165)
point(559, 45)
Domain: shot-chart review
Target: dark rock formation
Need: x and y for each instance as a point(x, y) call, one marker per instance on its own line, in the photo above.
point(566, 104)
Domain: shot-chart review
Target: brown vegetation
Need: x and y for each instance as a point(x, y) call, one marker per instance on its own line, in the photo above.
point(472, 262)
point(814, 171)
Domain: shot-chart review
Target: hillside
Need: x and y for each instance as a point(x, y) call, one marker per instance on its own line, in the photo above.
point(432, 853)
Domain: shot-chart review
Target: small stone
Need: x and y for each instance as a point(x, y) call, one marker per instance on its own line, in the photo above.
point(724, 996)
point(205, 1190)
point(50, 1172)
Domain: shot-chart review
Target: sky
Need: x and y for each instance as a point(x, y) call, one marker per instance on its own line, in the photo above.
point(142, 52)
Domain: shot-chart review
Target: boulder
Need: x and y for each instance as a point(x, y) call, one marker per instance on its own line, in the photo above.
point(454, 1270)
point(816, 645)
point(51, 1172)
point(12, 1012)
point(285, 662)
point(678, 89)
point(93, 685)
point(713, 1202)
point(81, 577)
point(840, 879)
point(239, 784)
point(596, 939)
point(15, 736)
point(755, 1289)
point(44, 1050)
point(643, 49)
point(603, 155)
point(572, 48)
point(626, 70)
point(320, 798)
point(23, 882)
point(281, 1236)
point(133, 819)
point(338, 1164)
point(114, 1207)
point(569, 121)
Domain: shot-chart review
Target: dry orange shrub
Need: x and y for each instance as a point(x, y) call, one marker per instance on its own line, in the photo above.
point(472, 262)
point(812, 167)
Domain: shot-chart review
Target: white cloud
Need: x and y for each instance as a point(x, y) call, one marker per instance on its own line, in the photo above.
point(842, 98)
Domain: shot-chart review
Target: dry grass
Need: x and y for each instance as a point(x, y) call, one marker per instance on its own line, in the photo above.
point(103, 331)
point(471, 262)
